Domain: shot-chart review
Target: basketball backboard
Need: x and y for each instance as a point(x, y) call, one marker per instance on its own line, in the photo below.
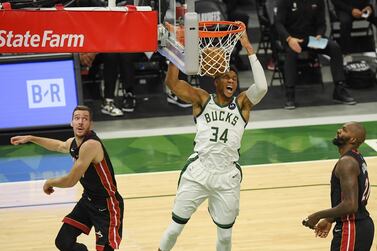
point(179, 36)
point(196, 38)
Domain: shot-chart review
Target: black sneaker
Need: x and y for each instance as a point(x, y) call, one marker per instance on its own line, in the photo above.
point(173, 99)
point(342, 96)
point(289, 105)
point(129, 102)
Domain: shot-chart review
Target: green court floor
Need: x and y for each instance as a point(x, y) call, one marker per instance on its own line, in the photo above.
point(166, 153)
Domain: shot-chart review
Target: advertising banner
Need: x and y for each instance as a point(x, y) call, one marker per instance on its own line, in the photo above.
point(63, 30)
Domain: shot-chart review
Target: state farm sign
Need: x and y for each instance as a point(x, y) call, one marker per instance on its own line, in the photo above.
point(77, 31)
point(47, 39)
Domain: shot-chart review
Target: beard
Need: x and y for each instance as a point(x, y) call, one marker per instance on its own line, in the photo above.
point(338, 141)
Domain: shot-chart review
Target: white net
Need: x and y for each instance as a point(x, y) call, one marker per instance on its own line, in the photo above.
point(217, 41)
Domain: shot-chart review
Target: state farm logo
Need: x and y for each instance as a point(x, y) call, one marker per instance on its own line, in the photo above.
point(47, 39)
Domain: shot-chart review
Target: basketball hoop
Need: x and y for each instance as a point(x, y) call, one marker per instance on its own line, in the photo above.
point(200, 48)
point(217, 40)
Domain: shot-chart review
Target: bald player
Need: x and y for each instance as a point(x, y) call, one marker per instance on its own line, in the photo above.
point(350, 189)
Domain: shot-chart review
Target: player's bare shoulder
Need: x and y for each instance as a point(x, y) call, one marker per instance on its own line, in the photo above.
point(92, 148)
point(92, 144)
point(198, 103)
point(346, 165)
point(202, 94)
point(244, 102)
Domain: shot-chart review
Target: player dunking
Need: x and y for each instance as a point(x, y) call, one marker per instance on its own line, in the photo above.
point(212, 171)
point(350, 189)
point(101, 205)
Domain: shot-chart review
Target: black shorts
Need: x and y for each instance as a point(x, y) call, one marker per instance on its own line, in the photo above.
point(106, 216)
point(353, 235)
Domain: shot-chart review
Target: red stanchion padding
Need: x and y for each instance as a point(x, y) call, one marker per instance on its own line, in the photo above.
point(46, 31)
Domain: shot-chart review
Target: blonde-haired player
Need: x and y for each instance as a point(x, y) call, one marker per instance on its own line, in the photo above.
point(212, 171)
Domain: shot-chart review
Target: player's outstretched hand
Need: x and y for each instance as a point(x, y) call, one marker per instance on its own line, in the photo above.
point(47, 188)
point(323, 228)
point(245, 42)
point(311, 221)
point(16, 140)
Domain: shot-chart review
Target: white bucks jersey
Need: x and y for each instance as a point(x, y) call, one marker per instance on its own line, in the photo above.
point(219, 131)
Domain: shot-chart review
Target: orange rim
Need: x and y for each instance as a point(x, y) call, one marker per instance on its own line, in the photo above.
point(202, 34)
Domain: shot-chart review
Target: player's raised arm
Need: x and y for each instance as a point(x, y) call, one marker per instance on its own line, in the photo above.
point(49, 144)
point(254, 94)
point(182, 89)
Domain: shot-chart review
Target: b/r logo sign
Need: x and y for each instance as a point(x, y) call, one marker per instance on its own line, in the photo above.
point(46, 93)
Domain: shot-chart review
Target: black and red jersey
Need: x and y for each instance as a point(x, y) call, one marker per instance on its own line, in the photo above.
point(363, 185)
point(98, 180)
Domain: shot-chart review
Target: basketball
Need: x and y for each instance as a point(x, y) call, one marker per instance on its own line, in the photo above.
point(213, 61)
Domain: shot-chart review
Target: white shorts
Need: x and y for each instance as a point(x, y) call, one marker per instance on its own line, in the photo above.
point(197, 183)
